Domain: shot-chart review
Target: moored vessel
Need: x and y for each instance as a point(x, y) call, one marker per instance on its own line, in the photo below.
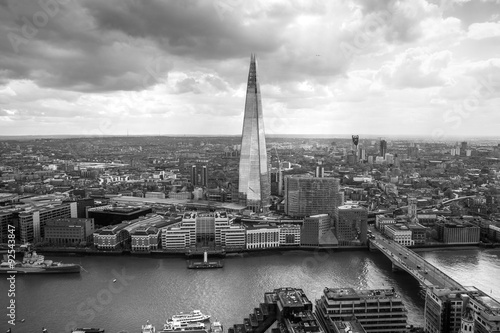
point(193, 316)
point(148, 328)
point(88, 330)
point(216, 327)
point(181, 326)
point(36, 263)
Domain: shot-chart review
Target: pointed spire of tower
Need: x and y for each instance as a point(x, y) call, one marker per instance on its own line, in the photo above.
point(254, 187)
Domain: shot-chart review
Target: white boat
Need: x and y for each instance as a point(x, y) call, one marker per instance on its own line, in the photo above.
point(176, 326)
point(194, 316)
point(148, 328)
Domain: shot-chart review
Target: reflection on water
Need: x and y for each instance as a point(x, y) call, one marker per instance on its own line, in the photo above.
point(157, 288)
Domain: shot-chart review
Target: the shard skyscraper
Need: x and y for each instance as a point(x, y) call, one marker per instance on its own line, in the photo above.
point(254, 184)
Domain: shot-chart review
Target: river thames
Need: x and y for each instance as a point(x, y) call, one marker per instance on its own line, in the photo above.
point(120, 293)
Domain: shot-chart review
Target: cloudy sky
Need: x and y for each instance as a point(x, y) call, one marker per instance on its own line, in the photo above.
point(415, 67)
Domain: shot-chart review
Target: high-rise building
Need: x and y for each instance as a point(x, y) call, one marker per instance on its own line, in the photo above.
point(254, 184)
point(306, 196)
point(383, 148)
point(199, 175)
point(320, 171)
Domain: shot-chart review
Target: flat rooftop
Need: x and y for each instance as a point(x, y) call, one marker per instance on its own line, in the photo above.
point(350, 293)
point(290, 298)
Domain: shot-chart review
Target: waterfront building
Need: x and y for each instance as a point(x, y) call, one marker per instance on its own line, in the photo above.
point(113, 236)
point(68, 231)
point(254, 180)
point(377, 310)
point(176, 237)
point(352, 226)
point(418, 233)
point(452, 310)
point(485, 311)
point(289, 234)
point(313, 228)
point(443, 310)
point(203, 229)
point(306, 196)
point(262, 236)
point(288, 309)
point(145, 238)
point(455, 231)
point(116, 214)
point(32, 219)
point(6, 219)
point(233, 237)
point(400, 234)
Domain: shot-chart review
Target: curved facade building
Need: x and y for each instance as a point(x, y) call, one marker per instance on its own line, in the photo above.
point(254, 186)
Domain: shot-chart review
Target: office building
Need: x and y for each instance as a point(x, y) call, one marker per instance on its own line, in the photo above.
point(351, 226)
point(68, 231)
point(262, 236)
point(319, 172)
point(383, 148)
point(457, 231)
point(412, 208)
point(289, 234)
point(382, 221)
point(199, 175)
point(443, 310)
point(32, 220)
point(418, 233)
point(377, 310)
point(254, 184)
point(233, 237)
point(317, 230)
point(6, 219)
point(465, 309)
point(400, 234)
point(203, 229)
point(116, 214)
point(306, 196)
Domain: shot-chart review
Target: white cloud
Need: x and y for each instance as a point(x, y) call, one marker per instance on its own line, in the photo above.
point(484, 30)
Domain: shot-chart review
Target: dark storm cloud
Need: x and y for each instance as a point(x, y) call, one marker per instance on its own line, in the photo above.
point(186, 28)
point(68, 53)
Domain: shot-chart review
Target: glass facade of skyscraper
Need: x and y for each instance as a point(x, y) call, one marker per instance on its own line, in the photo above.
point(254, 184)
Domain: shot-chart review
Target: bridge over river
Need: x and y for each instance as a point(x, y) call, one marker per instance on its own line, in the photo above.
point(407, 260)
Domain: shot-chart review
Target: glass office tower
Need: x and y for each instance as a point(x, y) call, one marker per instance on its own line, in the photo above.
point(254, 183)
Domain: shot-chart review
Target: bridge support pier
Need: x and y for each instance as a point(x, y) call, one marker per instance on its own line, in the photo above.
point(396, 268)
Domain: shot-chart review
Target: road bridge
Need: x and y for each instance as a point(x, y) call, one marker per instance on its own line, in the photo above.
point(407, 260)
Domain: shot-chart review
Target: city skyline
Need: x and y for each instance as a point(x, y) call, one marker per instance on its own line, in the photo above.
point(425, 68)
